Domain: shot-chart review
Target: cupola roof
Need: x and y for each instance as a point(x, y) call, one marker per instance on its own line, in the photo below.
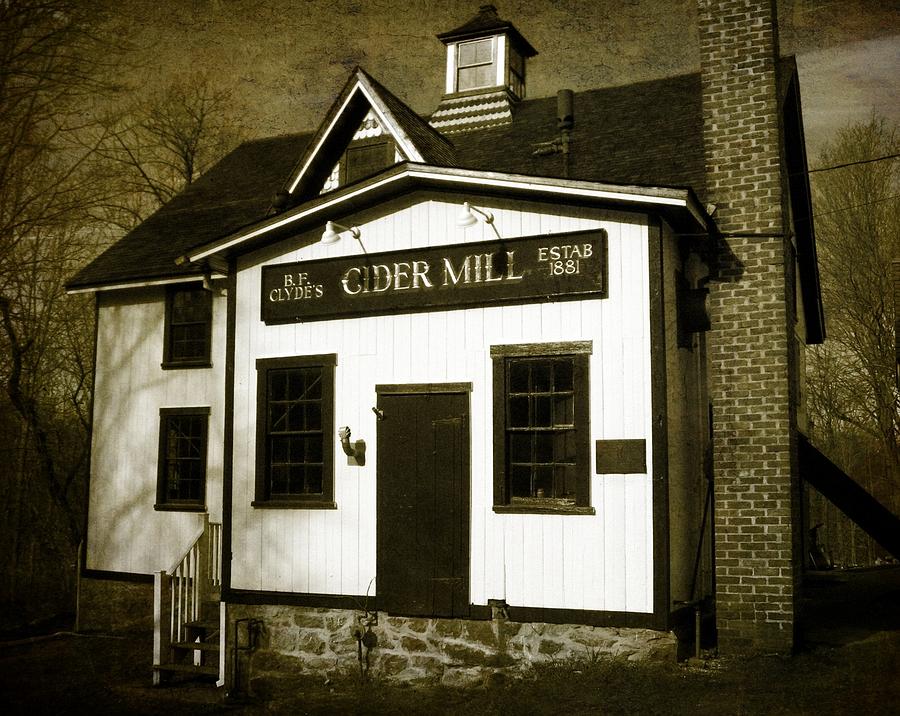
point(488, 22)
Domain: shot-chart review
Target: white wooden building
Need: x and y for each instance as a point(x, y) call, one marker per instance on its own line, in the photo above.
point(454, 370)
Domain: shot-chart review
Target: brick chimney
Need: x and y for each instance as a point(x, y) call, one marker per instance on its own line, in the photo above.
point(753, 370)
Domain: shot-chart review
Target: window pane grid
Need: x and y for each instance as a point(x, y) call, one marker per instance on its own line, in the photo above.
point(541, 455)
point(516, 77)
point(475, 65)
point(190, 314)
point(185, 458)
point(477, 52)
point(295, 432)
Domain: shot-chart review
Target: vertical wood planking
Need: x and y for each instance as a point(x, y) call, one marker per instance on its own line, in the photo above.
point(318, 548)
point(638, 544)
point(125, 532)
point(534, 560)
point(515, 563)
point(614, 542)
point(553, 560)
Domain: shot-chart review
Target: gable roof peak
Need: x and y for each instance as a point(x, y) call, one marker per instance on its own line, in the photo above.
point(415, 140)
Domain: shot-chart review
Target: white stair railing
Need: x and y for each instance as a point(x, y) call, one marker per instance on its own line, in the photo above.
point(178, 594)
point(214, 554)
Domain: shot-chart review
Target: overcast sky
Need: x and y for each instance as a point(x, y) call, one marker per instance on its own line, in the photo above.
point(286, 59)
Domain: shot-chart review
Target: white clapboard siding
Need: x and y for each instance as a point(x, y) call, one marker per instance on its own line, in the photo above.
point(599, 562)
point(125, 533)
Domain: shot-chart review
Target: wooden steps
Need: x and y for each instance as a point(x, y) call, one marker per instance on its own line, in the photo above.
point(196, 645)
point(196, 670)
point(186, 609)
point(197, 655)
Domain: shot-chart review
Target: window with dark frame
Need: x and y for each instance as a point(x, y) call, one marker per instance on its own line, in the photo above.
point(541, 427)
point(188, 327)
point(516, 78)
point(295, 432)
point(181, 482)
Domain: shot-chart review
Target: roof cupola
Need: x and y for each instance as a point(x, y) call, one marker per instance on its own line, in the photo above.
point(485, 73)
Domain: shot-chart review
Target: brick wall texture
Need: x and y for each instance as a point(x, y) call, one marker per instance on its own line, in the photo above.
point(751, 361)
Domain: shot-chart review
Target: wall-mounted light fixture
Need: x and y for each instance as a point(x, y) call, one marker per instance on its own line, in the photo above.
point(332, 234)
point(355, 452)
point(470, 215)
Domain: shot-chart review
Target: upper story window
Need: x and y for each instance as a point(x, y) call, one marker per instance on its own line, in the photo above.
point(188, 329)
point(475, 65)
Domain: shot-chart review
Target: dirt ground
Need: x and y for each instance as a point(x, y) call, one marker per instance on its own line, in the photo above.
point(850, 664)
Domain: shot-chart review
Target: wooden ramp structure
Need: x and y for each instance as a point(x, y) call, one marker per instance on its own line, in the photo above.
point(850, 497)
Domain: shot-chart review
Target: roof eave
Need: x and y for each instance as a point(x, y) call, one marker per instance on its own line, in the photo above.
point(678, 205)
point(199, 273)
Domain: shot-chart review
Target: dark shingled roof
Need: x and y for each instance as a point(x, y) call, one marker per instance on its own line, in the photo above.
point(235, 192)
point(647, 133)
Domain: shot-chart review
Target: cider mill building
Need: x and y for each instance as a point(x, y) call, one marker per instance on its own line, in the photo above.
point(512, 381)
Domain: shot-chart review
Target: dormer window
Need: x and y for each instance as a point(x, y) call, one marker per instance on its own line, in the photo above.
point(371, 150)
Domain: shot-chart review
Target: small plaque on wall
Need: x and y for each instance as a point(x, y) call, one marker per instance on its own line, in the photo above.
point(621, 457)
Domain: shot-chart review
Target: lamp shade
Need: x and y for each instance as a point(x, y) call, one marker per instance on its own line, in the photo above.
point(466, 217)
point(330, 235)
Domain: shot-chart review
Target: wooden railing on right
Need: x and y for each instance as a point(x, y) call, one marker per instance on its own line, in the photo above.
point(179, 596)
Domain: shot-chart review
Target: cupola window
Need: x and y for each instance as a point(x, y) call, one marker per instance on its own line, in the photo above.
point(475, 65)
point(516, 75)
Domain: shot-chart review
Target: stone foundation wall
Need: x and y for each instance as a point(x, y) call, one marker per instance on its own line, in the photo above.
point(295, 641)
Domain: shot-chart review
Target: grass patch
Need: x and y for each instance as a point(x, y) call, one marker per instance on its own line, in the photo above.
point(99, 676)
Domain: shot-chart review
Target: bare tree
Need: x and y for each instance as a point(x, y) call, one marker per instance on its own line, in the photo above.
point(166, 140)
point(68, 181)
point(853, 398)
point(48, 70)
point(51, 64)
point(858, 229)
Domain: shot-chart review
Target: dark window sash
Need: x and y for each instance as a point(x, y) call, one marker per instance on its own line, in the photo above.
point(317, 463)
point(187, 338)
point(503, 357)
point(183, 455)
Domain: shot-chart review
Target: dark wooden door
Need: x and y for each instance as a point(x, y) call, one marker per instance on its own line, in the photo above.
point(423, 504)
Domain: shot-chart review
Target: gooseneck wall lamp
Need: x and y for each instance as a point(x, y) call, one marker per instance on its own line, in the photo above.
point(470, 215)
point(333, 230)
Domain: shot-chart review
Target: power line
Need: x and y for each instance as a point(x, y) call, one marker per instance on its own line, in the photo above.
point(856, 206)
point(851, 164)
